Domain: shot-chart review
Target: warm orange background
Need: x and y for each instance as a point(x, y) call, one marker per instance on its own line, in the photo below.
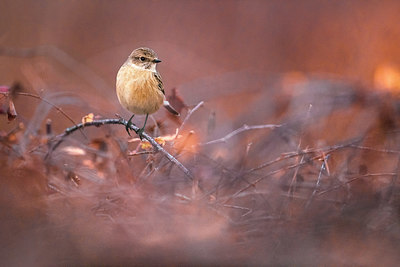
point(198, 41)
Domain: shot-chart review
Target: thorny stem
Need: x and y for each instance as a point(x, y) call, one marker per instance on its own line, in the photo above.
point(121, 121)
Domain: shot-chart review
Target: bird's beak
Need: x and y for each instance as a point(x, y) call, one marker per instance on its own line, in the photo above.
point(156, 60)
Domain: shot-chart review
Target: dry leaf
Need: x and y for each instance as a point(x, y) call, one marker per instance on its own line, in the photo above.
point(6, 103)
point(11, 112)
point(88, 118)
point(145, 145)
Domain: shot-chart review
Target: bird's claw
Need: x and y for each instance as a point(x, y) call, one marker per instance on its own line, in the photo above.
point(140, 133)
point(128, 124)
point(127, 129)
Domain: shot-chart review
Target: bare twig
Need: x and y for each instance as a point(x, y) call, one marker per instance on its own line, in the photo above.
point(292, 186)
point(191, 111)
point(98, 123)
point(244, 128)
point(254, 183)
point(326, 150)
point(317, 184)
point(291, 189)
point(355, 179)
point(376, 149)
point(51, 104)
point(247, 210)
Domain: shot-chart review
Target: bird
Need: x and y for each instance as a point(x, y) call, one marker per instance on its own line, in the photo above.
point(139, 86)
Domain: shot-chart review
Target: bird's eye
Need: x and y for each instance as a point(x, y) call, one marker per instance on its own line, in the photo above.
point(142, 58)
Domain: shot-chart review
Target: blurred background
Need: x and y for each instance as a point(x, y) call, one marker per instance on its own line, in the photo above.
point(327, 71)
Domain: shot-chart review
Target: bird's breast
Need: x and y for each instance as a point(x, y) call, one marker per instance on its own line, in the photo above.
point(138, 91)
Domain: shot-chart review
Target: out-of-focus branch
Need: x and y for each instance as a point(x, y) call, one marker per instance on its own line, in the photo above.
point(15, 89)
point(200, 104)
point(121, 121)
point(51, 104)
point(324, 166)
point(240, 130)
point(327, 150)
point(61, 56)
point(350, 180)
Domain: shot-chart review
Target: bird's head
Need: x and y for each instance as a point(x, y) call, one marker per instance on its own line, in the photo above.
point(144, 58)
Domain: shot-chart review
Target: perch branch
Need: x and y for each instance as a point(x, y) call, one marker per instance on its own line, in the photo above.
point(120, 121)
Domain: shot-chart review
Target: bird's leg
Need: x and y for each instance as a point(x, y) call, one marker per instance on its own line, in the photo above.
point(141, 130)
point(128, 124)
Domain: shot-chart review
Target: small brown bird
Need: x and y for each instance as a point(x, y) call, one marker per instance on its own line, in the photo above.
point(139, 86)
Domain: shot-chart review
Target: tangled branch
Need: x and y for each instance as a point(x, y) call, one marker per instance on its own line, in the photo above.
point(121, 121)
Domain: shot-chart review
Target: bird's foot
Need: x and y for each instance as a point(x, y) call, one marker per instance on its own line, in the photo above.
point(140, 133)
point(127, 127)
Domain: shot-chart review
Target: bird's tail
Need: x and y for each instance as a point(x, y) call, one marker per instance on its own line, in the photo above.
point(170, 108)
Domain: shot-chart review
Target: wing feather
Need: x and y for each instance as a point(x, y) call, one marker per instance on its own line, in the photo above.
point(160, 83)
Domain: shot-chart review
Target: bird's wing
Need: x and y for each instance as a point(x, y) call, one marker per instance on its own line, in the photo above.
point(160, 84)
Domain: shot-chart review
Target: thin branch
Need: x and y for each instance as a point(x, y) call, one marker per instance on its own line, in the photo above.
point(244, 128)
point(355, 179)
point(247, 210)
point(317, 184)
point(254, 183)
point(326, 150)
point(200, 104)
point(51, 104)
point(389, 151)
point(120, 121)
point(292, 186)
